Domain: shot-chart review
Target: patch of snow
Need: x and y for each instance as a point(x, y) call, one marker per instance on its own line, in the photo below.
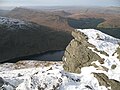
point(102, 41)
point(48, 78)
point(36, 76)
point(11, 22)
point(108, 44)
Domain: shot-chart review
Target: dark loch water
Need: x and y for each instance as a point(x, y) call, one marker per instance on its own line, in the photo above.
point(58, 54)
point(85, 23)
point(50, 55)
point(47, 56)
point(89, 23)
point(113, 32)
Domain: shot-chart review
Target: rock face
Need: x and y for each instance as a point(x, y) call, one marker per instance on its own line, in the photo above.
point(1, 82)
point(77, 54)
point(93, 49)
point(105, 81)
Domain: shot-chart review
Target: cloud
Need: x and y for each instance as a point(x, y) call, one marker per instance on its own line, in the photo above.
point(58, 2)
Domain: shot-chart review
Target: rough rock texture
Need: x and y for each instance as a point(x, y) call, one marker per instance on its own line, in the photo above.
point(118, 51)
point(80, 53)
point(77, 54)
point(1, 82)
point(105, 81)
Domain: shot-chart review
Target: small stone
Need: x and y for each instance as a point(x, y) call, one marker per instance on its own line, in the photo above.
point(113, 66)
point(101, 61)
point(19, 75)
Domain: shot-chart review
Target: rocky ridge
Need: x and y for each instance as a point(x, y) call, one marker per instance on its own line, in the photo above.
point(34, 75)
point(94, 53)
point(91, 62)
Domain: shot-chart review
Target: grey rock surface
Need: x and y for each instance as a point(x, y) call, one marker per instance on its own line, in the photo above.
point(1, 82)
point(77, 54)
point(105, 81)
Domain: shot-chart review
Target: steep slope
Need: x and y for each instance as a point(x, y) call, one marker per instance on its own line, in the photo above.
point(20, 38)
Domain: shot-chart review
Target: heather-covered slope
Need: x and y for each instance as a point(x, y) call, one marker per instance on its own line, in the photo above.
point(68, 18)
point(20, 38)
point(55, 19)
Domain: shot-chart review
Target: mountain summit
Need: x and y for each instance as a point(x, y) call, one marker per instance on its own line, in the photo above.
point(91, 62)
point(93, 53)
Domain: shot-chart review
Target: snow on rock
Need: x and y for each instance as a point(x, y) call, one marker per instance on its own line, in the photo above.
point(108, 44)
point(51, 77)
point(11, 22)
point(31, 75)
point(92, 52)
point(102, 41)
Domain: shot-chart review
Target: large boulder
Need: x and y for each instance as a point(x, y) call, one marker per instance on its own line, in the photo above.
point(93, 49)
point(77, 54)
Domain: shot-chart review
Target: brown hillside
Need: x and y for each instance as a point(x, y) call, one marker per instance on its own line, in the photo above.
point(49, 19)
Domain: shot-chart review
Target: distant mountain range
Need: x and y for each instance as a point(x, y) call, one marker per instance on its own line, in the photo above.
point(55, 19)
point(59, 18)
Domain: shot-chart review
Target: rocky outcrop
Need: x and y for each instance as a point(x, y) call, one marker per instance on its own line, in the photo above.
point(77, 54)
point(94, 49)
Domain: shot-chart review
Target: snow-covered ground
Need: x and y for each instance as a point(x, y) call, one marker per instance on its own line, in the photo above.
point(11, 22)
point(35, 75)
point(108, 44)
point(51, 77)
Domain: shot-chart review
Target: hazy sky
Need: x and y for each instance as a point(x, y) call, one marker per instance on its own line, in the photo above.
point(59, 2)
